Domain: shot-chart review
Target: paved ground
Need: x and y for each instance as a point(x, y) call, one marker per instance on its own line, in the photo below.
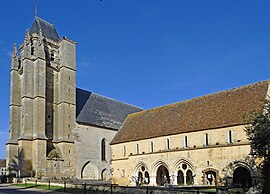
point(6, 188)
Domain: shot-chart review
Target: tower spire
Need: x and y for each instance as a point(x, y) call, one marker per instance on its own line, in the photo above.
point(36, 8)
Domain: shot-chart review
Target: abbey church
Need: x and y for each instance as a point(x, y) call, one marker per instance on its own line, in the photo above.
point(59, 130)
point(56, 129)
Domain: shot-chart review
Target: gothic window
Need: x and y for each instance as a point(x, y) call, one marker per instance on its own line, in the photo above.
point(180, 177)
point(140, 176)
point(143, 175)
point(147, 177)
point(184, 174)
point(190, 180)
point(103, 150)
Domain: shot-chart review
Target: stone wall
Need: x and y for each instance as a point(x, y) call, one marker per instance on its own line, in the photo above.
point(199, 157)
point(89, 164)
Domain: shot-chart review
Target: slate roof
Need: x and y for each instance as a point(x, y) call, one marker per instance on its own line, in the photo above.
point(94, 109)
point(48, 30)
point(222, 109)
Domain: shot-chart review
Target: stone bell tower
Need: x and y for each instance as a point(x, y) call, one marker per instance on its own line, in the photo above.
point(42, 104)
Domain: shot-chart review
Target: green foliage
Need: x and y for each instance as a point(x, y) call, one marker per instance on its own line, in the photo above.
point(258, 132)
point(54, 155)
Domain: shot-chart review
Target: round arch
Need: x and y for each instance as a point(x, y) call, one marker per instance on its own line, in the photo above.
point(242, 177)
point(210, 176)
point(247, 163)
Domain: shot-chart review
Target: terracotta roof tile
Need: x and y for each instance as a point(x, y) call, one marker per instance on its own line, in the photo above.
point(2, 163)
point(226, 108)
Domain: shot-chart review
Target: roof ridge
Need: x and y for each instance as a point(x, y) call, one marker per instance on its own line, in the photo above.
point(200, 97)
point(43, 20)
point(111, 99)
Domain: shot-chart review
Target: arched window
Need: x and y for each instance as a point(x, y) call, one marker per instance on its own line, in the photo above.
point(190, 179)
point(140, 176)
point(143, 176)
point(147, 177)
point(180, 177)
point(103, 150)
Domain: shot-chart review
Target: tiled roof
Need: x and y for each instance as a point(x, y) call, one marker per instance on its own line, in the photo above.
point(94, 109)
point(226, 108)
point(2, 163)
point(48, 30)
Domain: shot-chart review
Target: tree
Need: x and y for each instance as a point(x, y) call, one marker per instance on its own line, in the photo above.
point(54, 155)
point(258, 132)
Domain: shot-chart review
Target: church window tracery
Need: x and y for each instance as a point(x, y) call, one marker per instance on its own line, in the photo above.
point(184, 174)
point(143, 175)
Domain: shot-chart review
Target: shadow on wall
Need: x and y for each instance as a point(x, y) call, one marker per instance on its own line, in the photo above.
point(20, 167)
point(242, 173)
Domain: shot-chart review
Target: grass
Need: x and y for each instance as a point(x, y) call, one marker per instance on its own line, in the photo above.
point(44, 187)
point(61, 189)
point(88, 191)
point(234, 190)
point(209, 190)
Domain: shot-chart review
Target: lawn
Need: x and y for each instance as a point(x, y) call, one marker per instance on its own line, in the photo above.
point(81, 191)
point(61, 189)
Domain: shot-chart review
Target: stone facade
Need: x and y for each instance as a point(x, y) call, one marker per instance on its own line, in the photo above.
point(89, 161)
point(42, 102)
point(54, 130)
point(217, 155)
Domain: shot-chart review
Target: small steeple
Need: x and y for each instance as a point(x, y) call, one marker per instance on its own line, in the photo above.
point(15, 53)
point(27, 37)
point(15, 58)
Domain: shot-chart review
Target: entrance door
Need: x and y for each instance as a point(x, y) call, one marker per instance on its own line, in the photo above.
point(162, 176)
point(241, 178)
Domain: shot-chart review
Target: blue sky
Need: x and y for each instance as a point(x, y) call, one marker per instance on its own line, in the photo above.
point(148, 53)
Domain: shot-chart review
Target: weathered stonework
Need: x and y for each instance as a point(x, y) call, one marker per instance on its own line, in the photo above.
point(40, 91)
point(192, 155)
point(56, 129)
